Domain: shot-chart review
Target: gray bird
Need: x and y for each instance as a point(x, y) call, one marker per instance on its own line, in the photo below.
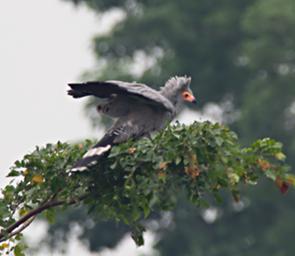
point(139, 110)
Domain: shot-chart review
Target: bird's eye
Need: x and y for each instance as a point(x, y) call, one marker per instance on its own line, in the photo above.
point(186, 95)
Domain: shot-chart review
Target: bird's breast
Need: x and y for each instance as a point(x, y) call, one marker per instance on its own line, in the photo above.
point(151, 120)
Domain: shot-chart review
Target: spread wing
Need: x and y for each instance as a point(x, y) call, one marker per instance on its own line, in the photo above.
point(123, 90)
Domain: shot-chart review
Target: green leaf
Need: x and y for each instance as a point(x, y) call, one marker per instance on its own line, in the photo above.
point(4, 211)
point(19, 249)
point(13, 173)
point(177, 160)
point(50, 215)
point(137, 235)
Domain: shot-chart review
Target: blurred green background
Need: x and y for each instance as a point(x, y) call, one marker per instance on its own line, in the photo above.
point(241, 56)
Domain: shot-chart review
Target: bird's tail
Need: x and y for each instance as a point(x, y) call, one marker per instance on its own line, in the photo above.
point(93, 155)
point(99, 89)
point(78, 90)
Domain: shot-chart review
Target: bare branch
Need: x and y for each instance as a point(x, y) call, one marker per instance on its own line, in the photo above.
point(29, 217)
point(18, 231)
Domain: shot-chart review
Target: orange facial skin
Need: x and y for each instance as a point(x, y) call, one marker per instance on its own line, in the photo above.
point(188, 96)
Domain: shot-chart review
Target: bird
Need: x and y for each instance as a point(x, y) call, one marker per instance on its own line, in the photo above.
point(138, 110)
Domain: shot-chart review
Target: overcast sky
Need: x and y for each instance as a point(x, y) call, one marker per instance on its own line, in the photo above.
point(43, 45)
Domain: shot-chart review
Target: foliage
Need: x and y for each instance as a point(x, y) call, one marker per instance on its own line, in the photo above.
point(138, 178)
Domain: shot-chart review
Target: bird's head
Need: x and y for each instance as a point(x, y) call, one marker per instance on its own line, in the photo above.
point(177, 90)
point(184, 89)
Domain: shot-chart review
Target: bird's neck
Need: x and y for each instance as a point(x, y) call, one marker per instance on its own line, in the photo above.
point(173, 97)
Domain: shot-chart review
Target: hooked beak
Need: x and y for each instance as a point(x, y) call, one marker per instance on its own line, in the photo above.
point(188, 96)
point(194, 101)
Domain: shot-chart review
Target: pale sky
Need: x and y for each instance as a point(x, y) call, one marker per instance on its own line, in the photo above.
point(43, 46)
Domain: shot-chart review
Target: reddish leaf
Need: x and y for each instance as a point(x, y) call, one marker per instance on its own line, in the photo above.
point(283, 185)
point(263, 164)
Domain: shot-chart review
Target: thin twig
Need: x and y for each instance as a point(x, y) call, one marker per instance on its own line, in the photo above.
point(7, 233)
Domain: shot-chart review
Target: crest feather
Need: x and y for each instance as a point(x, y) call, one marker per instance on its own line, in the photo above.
point(177, 83)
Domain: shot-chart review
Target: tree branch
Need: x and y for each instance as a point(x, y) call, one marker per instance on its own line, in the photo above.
point(18, 231)
point(29, 217)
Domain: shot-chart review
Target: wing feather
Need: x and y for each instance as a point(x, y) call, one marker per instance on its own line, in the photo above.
point(139, 91)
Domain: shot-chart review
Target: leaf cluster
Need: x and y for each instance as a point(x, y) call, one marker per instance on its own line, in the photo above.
point(138, 178)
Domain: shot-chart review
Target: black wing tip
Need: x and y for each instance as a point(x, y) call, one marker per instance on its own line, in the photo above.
point(74, 94)
point(94, 88)
point(73, 85)
point(76, 91)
